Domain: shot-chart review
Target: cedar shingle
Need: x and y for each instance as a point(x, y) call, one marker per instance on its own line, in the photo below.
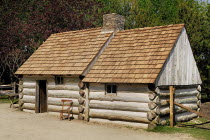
point(136, 55)
point(65, 53)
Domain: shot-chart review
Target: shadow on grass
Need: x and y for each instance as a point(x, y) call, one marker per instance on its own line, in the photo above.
point(199, 126)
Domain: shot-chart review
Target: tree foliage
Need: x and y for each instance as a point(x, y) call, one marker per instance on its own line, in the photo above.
point(25, 24)
point(194, 14)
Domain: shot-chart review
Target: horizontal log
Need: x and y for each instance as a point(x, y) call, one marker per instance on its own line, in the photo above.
point(57, 101)
point(135, 88)
point(135, 97)
point(58, 114)
point(117, 105)
point(193, 111)
point(31, 84)
point(180, 92)
point(166, 110)
point(29, 106)
point(122, 88)
point(186, 99)
point(54, 108)
point(186, 116)
point(119, 115)
point(28, 91)
point(63, 87)
point(29, 111)
point(124, 123)
point(182, 117)
point(66, 80)
point(63, 94)
point(28, 99)
point(97, 87)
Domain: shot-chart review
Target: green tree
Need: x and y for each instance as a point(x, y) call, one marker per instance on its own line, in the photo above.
point(195, 15)
point(25, 24)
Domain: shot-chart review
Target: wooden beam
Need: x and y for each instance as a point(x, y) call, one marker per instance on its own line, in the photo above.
point(87, 104)
point(193, 111)
point(171, 106)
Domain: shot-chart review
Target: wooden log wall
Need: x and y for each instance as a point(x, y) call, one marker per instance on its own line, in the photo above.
point(188, 96)
point(82, 100)
point(69, 90)
point(134, 105)
point(20, 91)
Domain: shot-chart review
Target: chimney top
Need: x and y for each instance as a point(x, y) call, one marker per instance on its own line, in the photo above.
point(113, 23)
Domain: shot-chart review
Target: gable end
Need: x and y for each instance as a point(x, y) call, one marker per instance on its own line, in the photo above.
point(180, 68)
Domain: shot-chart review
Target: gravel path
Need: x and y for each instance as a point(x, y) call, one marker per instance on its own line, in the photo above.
point(17, 125)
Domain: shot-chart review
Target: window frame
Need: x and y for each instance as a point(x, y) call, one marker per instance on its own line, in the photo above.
point(111, 93)
point(60, 81)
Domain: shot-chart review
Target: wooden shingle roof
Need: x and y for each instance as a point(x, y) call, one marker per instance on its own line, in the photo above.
point(65, 53)
point(135, 56)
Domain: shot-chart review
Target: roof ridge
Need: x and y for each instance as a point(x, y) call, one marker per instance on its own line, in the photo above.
point(88, 29)
point(152, 27)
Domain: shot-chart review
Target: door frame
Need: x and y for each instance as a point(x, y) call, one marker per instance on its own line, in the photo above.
point(37, 99)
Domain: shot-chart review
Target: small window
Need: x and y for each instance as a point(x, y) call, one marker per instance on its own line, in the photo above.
point(58, 80)
point(111, 88)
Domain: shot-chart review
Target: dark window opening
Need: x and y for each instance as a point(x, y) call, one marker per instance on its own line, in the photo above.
point(58, 80)
point(111, 88)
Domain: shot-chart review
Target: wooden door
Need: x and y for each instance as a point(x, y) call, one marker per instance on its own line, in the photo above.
point(41, 97)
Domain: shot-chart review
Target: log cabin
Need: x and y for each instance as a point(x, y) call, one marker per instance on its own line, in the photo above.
point(113, 75)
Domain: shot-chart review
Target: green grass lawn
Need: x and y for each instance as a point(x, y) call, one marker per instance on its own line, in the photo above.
point(197, 131)
point(4, 99)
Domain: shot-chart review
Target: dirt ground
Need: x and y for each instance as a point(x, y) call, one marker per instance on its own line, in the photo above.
point(17, 125)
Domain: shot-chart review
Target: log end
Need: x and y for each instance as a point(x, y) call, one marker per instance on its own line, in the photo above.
point(152, 96)
point(81, 108)
point(81, 100)
point(156, 120)
point(81, 116)
point(157, 110)
point(152, 105)
point(81, 92)
point(199, 88)
point(81, 85)
point(199, 96)
point(151, 115)
point(199, 103)
point(157, 90)
point(151, 126)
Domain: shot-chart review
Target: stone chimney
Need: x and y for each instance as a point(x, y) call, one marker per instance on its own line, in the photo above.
point(113, 23)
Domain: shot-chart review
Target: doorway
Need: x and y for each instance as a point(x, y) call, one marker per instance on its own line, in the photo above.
point(41, 97)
